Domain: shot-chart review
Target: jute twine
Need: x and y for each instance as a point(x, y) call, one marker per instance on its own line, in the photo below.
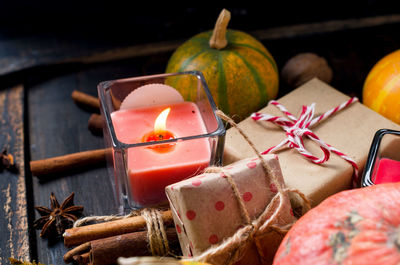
point(236, 244)
point(104, 218)
point(157, 237)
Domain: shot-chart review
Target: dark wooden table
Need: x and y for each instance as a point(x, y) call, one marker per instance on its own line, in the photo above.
point(38, 118)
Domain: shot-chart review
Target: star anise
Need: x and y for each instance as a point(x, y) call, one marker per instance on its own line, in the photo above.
point(55, 220)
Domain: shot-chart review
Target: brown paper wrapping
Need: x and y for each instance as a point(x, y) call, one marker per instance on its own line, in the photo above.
point(351, 131)
point(206, 212)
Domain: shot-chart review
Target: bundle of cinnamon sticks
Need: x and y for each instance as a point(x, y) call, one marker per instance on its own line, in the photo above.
point(103, 243)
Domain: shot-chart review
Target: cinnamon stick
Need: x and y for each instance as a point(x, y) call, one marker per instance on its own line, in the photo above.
point(108, 250)
point(82, 259)
point(95, 124)
point(68, 162)
point(76, 252)
point(78, 235)
point(85, 100)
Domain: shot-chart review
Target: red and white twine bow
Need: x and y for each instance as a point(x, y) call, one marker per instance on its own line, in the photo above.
point(296, 128)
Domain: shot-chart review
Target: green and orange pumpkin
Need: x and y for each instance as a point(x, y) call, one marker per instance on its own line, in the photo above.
point(240, 72)
point(358, 227)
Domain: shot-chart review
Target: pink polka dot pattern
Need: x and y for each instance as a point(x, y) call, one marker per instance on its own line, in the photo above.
point(190, 215)
point(273, 188)
point(215, 204)
point(213, 239)
point(196, 182)
point(247, 196)
point(251, 164)
point(219, 205)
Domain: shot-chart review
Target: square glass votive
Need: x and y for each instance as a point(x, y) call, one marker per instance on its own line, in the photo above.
point(144, 159)
point(383, 163)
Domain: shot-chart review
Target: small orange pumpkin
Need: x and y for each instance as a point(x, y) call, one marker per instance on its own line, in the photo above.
point(381, 90)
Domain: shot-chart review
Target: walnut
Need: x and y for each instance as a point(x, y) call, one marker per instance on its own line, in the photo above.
point(305, 66)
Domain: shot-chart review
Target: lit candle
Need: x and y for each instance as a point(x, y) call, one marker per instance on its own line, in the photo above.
point(151, 168)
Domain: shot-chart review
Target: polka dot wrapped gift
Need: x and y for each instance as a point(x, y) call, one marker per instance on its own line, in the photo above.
point(241, 202)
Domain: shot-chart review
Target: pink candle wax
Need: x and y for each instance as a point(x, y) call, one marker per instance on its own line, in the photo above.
point(151, 170)
point(388, 170)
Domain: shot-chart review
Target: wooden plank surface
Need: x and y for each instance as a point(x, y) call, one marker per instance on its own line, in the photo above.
point(58, 127)
point(14, 239)
point(27, 52)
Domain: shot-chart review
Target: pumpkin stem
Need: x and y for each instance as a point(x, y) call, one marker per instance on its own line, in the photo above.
point(218, 38)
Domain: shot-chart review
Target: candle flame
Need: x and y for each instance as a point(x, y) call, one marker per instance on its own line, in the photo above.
point(160, 124)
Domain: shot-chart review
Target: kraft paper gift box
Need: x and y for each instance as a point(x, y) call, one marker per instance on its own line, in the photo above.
point(206, 212)
point(350, 130)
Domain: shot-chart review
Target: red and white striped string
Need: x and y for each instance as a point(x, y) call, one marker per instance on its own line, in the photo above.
point(296, 128)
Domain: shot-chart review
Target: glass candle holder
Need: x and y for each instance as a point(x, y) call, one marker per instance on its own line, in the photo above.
point(383, 163)
point(143, 159)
